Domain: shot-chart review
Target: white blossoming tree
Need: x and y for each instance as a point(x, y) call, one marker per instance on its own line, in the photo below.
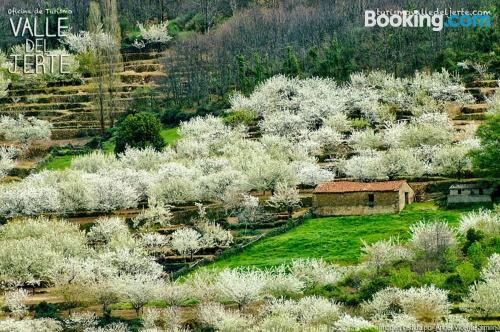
point(239, 286)
point(186, 241)
point(285, 197)
point(154, 34)
point(7, 163)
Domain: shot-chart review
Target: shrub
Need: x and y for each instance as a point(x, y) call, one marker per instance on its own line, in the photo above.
point(243, 116)
point(367, 291)
point(486, 221)
point(46, 310)
point(467, 272)
point(476, 254)
point(427, 304)
point(384, 253)
point(483, 298)
point(471, 237)
point(403, 277)
point(432, 239)
point(139, 131)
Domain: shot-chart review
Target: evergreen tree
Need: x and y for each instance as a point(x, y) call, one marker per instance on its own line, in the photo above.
point(291, 66)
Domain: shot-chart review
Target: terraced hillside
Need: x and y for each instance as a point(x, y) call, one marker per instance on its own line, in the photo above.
point(475, 113)
point(68, 104)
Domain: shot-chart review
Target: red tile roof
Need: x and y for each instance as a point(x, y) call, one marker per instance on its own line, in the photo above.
point(349, 186)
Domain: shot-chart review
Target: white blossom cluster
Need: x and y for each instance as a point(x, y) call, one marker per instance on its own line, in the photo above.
point(90, 42)
point(154, 33)
point(487, 221)
point(7, 163)
point(104, 266)
point(291, 104)
point(315, 115)
point(24, 129)
point(211, 162)
point(418, 305)
point(483, 295)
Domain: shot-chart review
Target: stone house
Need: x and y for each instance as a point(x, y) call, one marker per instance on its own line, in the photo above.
point(464, 193)
point(343, 198)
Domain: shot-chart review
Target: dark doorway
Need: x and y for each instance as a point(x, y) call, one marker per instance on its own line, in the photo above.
point(407, 198)
point(371, 199)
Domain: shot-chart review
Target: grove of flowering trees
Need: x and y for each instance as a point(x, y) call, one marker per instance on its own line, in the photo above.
point(408, 132)
point(109, 264)
point(20, 132)
point(299, 121)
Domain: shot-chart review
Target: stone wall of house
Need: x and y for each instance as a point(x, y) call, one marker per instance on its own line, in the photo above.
point(405, 188)
point(343, 204)
point(454, 199)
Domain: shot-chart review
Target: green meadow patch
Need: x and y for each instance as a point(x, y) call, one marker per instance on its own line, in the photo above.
point(336, 239)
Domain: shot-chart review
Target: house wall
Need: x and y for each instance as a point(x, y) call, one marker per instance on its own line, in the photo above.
point(453, 199)
point(344, 204)
point(411, 196)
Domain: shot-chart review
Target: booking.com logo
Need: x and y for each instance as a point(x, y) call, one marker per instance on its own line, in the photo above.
point(418, 19)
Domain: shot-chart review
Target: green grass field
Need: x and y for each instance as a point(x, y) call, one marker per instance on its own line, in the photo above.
point(169, 135)
point(58, 162)
point(336, 239)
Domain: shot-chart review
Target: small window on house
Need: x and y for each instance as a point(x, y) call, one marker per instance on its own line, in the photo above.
point(371, 199)
point(460, 191)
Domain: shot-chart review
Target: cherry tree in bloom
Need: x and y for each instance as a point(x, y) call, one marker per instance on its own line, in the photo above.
point(310, 173)
point(279, 283)
point(285, 197)
point(214, 236)
point(428, 129)
point(483, 295)
point(401, 163)
point(81, 321)
point(186, 241)
point(432, 239)
point(328, 138)
point(95, 162)
point(154, 240)
point(24, 129)
point(308, 311)
point(316, 272)
point(221, 319)
point(16, 302)
point(140, 289)
point(110, 194)
point(452, 160)
point(7, 163)
point(155, 33)
point(156, 215)
point(426, 304)
point(155, 319)
point(365, 140)
point(239, 286)
point(338, 122)
point(147, 159)
point(31, 325)
point(384, 253)
point(368, 165)
point(348, 323)
point(487, 221)
point(108, 231)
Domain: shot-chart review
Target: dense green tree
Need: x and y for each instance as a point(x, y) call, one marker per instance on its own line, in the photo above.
point(139, 131)
point(291, 65)
point(487, 158)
